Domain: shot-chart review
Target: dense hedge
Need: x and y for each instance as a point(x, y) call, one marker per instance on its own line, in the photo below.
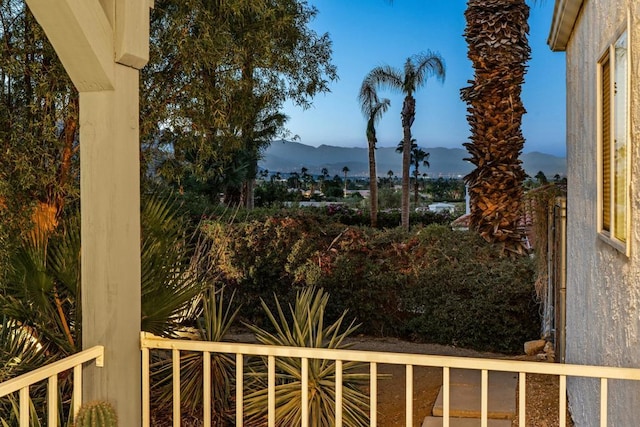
point(340, 213)
point(433, 284)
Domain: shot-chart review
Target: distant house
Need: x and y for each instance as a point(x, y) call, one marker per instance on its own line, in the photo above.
point(601, 39)
point(442, 207)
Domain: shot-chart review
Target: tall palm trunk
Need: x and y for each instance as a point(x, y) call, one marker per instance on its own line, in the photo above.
point(373, 108)
point(373, 183)
point(496, 34)
point(416, 188)
point(408, 115)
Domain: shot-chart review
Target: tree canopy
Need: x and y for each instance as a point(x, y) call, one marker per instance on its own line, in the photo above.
point(218, 76)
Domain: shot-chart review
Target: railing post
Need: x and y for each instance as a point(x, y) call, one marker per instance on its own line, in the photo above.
point(522, 398)
point(239, 388)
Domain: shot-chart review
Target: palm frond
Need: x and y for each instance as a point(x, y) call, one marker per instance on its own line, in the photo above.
point(171, 267)
point(425, 65)
point(385, 76)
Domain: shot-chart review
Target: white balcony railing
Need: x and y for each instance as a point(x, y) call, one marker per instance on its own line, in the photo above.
point(50, 373)
point(523, 368)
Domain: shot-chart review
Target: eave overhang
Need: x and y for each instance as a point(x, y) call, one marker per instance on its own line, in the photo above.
point(565, 14)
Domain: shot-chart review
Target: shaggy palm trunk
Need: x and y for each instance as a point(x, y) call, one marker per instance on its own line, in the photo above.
point(408, 115)
point(496, 35)
point(373, 183)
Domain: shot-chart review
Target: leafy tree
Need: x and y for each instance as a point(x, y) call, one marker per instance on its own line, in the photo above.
point(294, 180)
point(442, 189)
point(413, 76)
point(373, 108)
point(218, 75)
point(542, 178)
point(496, 35)
point(271, 194)
point(39, 166)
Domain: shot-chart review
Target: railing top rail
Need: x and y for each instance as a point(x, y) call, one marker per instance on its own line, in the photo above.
point(94, 353)
point(151, 341)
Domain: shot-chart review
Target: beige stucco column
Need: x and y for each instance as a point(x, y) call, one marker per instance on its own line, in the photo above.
point(110, 200)
point(102, 45)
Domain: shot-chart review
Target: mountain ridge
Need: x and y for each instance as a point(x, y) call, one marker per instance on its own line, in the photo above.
point(290, 156)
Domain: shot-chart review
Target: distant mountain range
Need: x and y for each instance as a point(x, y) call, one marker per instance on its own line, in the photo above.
point(287, 156)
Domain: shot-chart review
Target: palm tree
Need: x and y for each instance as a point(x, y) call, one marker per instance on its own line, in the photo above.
point(390, 175)
point(418, 157)
point(373, 108)
point(414, 75)
point(345, 171)
point(496, 35)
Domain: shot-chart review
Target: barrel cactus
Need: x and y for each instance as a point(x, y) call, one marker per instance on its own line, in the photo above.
point(96, 414)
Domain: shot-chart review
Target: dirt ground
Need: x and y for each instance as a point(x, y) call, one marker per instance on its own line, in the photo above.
point(542, 390)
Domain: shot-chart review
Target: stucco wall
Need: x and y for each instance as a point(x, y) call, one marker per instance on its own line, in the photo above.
point(603, 285)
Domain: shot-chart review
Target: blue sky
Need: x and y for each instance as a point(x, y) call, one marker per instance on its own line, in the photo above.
point(368, 33)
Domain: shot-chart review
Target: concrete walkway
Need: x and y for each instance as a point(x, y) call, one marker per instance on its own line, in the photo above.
point(465, 400)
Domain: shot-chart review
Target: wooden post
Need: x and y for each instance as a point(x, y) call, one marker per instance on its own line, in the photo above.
point(110, 203)
point(102, 45)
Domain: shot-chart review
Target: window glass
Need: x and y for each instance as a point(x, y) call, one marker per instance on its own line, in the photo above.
point(620, 138)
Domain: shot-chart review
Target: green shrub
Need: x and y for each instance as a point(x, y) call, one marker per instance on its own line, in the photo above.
point(432, 284)
point(465, 293)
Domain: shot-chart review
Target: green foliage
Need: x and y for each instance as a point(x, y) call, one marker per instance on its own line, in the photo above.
point(96, 414)
point(445, 190)
point(19, 354)
point(174, 267)
point(432, 284)
point(40, 295)
point(463, 292)
point(305, 328)
point(10, 414)
point(41, 288)
point(218, 76)
point(213, 325)
point(272, 194)
point(38, 119)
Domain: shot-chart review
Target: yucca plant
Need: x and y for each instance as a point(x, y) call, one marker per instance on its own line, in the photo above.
point(306, 329)
point(213, 325)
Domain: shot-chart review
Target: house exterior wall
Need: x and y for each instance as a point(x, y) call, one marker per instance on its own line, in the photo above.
point(603, 285)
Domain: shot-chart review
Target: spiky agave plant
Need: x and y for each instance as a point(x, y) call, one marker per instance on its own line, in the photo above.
point(212, 326)
point(306, 330)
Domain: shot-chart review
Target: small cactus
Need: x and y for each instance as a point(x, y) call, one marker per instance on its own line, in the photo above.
point(96, 414)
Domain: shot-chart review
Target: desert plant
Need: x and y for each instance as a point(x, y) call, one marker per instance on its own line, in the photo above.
point(12, 410)
point(40, 294)
point(96, 414)
point(212, 326)
point(306, 330)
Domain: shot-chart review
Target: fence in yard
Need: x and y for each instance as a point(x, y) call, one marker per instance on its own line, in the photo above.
point(373, 359)
point(50, 374)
